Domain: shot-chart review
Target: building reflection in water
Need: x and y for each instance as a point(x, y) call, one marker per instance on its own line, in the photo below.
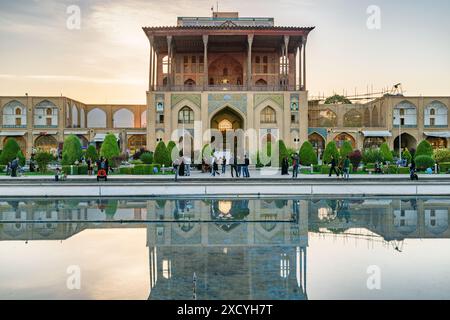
point(227, 248)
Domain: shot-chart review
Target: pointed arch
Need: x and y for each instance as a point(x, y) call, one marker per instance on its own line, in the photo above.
point(436, 114)
point(123, 118)
point(96, 118)
point(353, 119)
point(75, 123)
point(45, 114)
point(268, 115)
point(405, 114)
point(14, 115)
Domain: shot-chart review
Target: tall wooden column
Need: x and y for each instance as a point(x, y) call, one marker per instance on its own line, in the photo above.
point(205, 61)
point(304, 63)
point(169, 60)
point(249, 61)
point(286, 58)
point(151, 74)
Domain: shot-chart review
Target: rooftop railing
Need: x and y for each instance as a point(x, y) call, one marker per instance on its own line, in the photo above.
point(227, 87)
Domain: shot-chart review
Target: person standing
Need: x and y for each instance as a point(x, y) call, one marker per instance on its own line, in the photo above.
point(246, 165)
point(333, 167)
point(90, 167)
point(14, 166)
point(176, 165)
point(295, 164)
point(285, 166)
point(187, 161)
point(224, 164)
point(215, 167)
point(347, 168)
point(211, 164)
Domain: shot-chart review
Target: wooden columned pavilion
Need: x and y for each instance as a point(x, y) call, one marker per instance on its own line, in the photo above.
point(274, 56)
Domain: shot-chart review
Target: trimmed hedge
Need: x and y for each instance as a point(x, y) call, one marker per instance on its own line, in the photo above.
point(330, 150)
point(307, 154)
point(442, 155)
point(424, 162)
point(9, 152)
point(444, 167)
point(424, 149)
point(145, 169)
point(386, 153)
point(126, 170)
point(82, 169)
point(393, 169)
point(403, 170)
point(67, 170)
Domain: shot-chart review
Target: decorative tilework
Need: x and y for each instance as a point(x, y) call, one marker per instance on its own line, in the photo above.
point(159, 102)
point(217, 100)
point(261, 97)
point(295, 99)
point(194, 98)
point(322, 131)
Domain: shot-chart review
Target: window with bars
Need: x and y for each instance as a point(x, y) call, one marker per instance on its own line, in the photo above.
point(268, 115)
point(186, 116)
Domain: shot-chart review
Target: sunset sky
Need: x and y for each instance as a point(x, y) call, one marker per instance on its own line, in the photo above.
point(106, 60)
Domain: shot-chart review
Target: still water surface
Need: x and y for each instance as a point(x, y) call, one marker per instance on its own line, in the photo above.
point(225, 249)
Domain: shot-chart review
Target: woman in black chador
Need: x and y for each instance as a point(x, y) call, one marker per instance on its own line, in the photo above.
point(284, 166)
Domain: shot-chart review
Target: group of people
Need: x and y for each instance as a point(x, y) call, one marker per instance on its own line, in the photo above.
point(340, 167)
point(295, 165)
point(182, 167)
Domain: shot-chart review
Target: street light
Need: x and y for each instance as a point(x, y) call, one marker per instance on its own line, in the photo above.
point(399, 136)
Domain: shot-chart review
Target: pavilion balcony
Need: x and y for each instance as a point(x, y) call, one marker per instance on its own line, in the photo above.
point(227, 87)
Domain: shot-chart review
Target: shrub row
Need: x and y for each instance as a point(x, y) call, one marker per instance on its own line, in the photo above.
point(75, 170)
point(141, 169)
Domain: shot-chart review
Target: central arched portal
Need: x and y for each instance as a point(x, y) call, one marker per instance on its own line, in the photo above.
point(227, 121)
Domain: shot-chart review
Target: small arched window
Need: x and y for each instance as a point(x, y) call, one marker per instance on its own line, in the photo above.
point(18, 111)
point(49, 111)
point(432, 112)
point(268, 115)
point(186, 115)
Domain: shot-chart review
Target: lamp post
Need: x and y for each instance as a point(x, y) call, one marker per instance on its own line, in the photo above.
point(399, 136)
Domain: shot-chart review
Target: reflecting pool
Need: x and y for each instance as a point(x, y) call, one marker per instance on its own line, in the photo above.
point(257, 248)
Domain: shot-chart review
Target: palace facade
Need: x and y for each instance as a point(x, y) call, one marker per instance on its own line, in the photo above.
point(226, 73)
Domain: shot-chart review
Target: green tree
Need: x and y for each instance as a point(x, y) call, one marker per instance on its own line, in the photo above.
point(71, 150)
point(10, 150)
point(424, 149)
point(424, 162)
point(43, 159)
point(110, 148)
point(330, 150)
point(442, 155)
point(346, 149)
point(161, 155)
point(21, 157)
point(407, 155)
point(307, 154)
point(337, 99)
point(147, 158)
point(91, 153)
point(170, 146)
point(386, 153)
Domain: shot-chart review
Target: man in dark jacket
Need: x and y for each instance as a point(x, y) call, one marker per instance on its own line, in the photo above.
point(14, 166)
point(333, 167)
point(246, 165)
